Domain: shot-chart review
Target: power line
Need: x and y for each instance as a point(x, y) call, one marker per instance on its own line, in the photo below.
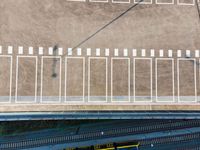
point(197, 4)
point(91, 36)
point(106, 25)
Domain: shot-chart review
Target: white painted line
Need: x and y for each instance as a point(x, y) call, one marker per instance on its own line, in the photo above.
point(161, 52)
point(134, 52)
point(89, 75)
point(20, 50)
point(98, 52)
point(10, 82)
point(66, 59)
point(69, 51)
point(50, 50)
point(0, 49)
point(40, 50)
point(128, 59)
point(134, 81)
point(17, 75)
point(42, 70)
point(107, 51)
point(10, 49)
point(178, 53)
point(125, 52)
point(178, 76)
point(181, 2)
point(116, 52)
point(30, 50)
point(170, 53)
point(163, 2)
point(147, 2)
point(188, 54)
point(143, 53)
point(152, 53)
point(79, 51)
point(76, 0)
point(156, 78)
point(99, 1)
point(88, 51)
point(60, 51)
point(196, 53)
point(121, 1)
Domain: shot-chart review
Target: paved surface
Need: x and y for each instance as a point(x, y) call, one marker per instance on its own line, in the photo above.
point(112, 76)
point(98, 115)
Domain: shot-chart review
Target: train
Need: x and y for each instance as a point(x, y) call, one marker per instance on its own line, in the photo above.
point(129, 145)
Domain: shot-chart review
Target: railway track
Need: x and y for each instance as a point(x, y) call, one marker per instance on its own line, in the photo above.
point(128, 124)
point(168, 140)
point(187, 141)
point(59, 139)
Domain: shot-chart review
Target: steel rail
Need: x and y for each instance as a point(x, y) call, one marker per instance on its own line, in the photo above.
point(36, 142)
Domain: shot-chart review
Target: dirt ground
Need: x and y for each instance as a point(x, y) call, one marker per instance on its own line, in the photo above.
point(110, 78)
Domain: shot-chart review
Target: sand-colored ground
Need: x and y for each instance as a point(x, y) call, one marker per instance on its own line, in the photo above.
point(110, 78)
